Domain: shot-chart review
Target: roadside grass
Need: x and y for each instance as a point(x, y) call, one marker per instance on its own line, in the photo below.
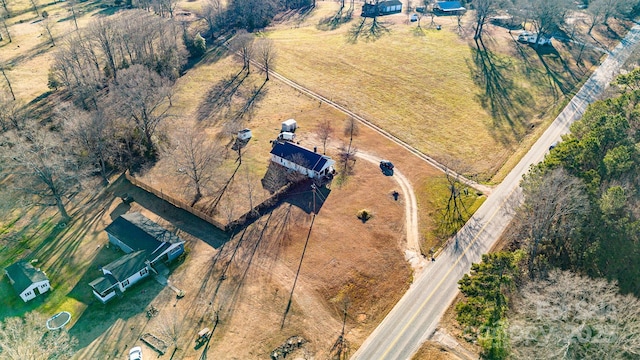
point(432, 195)
point(432, 91)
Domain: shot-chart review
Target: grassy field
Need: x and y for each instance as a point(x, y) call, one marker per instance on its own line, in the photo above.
point(433, 89)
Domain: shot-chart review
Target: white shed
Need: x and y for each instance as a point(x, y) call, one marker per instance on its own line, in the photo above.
point(28, 281)
point(244, 134)
point(289, 125)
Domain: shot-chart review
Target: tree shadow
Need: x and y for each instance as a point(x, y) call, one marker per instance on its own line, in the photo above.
point(333, 22)
point(502, 96)
point(561, 76)
point(368, 31)
point(219, 97)
point(308, 197)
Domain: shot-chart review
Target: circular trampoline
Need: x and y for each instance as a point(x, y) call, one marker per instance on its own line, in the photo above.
point(58, 320)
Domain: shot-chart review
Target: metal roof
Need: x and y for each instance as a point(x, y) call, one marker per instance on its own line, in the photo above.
point(24, 275)
point(140, 233)
point(103, 283)
point(299, 155)
point(127, 265)
point(450, 5)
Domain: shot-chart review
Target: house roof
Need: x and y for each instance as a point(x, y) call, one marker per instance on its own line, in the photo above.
point(103, 283)
point(389, 3)
point(299, 155)
point(450, 6)
point(127, 265)
point(140, 233)
point(24, 274)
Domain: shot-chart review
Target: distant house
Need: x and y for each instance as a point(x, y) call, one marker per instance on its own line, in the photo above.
point(299, 159)
point(28, 281)
point(379, 8)
point(448, 7)
point(146, 244)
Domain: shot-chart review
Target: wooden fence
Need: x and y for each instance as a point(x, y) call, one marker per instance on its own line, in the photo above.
point(175, 202)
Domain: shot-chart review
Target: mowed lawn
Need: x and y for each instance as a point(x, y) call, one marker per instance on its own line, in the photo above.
point(425, 89)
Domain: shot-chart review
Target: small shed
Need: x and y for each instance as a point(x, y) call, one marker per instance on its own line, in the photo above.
point(289, 125)
point(28, 281)
point(244, 134)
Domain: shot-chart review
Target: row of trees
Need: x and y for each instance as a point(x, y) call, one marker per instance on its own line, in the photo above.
point(548, 16)
point(581, 212)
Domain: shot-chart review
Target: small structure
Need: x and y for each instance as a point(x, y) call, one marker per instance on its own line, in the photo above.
point(380, 8)
point(448, 8)
point(289, 125)
point(295, 157)
point(286, 136)
point(533, 38)
point(26, 280)
point(146, 244)
point(244, 134)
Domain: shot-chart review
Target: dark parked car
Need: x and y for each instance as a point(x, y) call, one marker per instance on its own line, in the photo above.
point(386, 165)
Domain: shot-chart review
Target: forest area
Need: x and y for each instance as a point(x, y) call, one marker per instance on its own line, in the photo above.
point(567, 284)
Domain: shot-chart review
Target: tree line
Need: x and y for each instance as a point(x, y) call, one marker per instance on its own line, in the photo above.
point(580, 215)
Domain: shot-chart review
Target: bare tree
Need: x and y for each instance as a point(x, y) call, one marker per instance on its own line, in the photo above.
point(3, 69)
point(324, 129)
point(11, 114)
point(71, 5)
point(242, 44)
point(267, 55)
point(141, 95)
point(546, 15)
point(3, 3)
point(106, 35)
point(351, 129)
point(44, 165)
point(555, 205)
point(484, 10)
point(91, 136)
point(35, 7)
point(3, 18)
point(47, 24)
point(213, 15)
point(196, 158)
point(573, 317)
point(171, 327)
point(28, 338)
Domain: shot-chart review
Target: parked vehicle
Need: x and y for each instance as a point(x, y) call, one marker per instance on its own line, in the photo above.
point(135, 353)
point(286, 136)
point(532, 38)
point(386, 165)
point(414, 17)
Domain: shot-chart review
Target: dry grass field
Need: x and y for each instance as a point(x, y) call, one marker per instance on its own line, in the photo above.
point(431, 88)
point(427, 87)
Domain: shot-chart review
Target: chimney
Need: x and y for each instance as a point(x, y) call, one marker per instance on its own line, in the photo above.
point(315, 149)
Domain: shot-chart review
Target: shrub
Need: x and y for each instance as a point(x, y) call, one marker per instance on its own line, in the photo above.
point(364, 215)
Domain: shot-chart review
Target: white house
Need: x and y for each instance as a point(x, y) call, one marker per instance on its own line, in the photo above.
point(145, 243)
point(28, 281)
point(299, 159)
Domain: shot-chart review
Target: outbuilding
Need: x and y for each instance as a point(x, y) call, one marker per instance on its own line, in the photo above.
point(379, 8)
point(289, 125)
point(448, 8)
point(27, 281)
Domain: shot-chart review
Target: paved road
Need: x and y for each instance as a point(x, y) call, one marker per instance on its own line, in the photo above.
point(416, 315)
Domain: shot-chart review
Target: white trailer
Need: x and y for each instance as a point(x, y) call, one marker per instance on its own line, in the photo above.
point(289, 125)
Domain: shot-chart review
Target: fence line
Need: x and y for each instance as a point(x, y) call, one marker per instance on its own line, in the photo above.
point(175, 202)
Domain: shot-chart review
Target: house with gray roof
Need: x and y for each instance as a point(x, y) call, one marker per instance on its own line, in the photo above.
point(146, 245)
point(297, 158)
point(27, 281)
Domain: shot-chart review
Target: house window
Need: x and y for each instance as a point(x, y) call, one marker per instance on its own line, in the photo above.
point(27, 294)
point(143, 271)
point(125, 283)
point(43, 286)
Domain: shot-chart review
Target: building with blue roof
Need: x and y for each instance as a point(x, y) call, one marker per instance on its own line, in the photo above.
point(295, 157)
